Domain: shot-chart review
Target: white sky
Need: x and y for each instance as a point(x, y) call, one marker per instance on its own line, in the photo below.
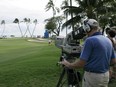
point(23, 8)
point(33, 9)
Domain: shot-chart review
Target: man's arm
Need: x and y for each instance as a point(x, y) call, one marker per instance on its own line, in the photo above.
point(76, 64)
point(113, 63)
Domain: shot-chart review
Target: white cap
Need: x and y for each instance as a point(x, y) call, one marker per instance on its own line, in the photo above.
point(89, 24)
point(93, 22)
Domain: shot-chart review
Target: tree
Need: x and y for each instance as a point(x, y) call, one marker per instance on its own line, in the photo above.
point(17, 21)
point(51, 5)
point(68, 11)
point(54, 24)
point(27, 21)
point(96, 9)
point(35, 22)
point(3, 23)
point(66, 3)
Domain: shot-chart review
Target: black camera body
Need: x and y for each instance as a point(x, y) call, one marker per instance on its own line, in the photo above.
point(71, 46)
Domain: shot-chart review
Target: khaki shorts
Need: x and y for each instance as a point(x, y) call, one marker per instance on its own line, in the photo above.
point(95, 79)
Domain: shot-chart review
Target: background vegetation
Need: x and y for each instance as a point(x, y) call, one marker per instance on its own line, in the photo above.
point(75, 11)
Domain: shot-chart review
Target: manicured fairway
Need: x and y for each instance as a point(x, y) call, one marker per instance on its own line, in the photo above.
point(29, 64)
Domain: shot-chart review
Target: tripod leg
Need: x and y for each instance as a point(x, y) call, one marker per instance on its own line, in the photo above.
point(61, 77)
point(73, 79)
point(77, 78)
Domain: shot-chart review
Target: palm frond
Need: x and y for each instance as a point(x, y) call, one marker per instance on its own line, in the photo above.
point(72, 10)
point(16, 20)
point(65, 3)
point(49, 5)
point(2, 22)
point(72, 21)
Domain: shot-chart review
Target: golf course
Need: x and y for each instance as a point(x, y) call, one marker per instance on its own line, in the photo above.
point(28, 64)
point(25, 63)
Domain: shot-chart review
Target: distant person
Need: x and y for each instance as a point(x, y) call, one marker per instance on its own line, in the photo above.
point(49, 42)
point(96, 57)
point(111, 34)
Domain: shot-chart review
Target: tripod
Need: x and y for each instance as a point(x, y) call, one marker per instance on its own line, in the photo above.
point(69, 78)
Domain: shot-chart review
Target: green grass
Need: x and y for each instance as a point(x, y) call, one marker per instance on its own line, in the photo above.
point(29, 64)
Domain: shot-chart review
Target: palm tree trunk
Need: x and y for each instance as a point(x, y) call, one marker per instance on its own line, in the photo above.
point(72, 15)
point(3, 30)
point(66, 26)
point(20, 30)
point(33, 30)
point(27, 30)
point(25, 33)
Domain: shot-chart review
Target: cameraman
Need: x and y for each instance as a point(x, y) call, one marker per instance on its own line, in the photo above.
point(96, 57)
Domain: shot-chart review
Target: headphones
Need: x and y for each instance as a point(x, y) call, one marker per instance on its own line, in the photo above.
point(86, 26)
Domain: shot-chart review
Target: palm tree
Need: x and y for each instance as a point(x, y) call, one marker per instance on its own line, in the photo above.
point(3, 22)
point(66, 3)
point(96, 9)
point(17, 21)
point(35, 22)
point(68, 11)
point(27, 21)
point(51, 5)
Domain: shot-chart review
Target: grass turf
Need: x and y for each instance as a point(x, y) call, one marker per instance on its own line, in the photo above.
point(29, 64)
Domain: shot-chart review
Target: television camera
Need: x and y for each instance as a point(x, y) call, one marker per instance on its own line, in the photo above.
point(71, 46)
point(70, 50)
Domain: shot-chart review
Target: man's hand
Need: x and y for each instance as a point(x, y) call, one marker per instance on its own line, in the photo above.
point(76, 64)
point(65, 63)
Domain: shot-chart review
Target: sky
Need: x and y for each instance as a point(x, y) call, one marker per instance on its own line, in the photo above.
point(33, 9)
